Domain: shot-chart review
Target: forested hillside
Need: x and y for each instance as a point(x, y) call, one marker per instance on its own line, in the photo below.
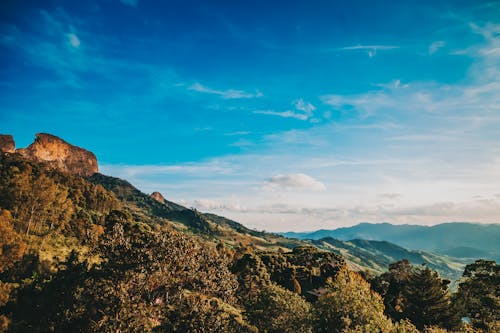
point(94, 254)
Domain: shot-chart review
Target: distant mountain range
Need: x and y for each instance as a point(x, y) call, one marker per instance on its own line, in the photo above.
point(377, 255)
point(458, 239)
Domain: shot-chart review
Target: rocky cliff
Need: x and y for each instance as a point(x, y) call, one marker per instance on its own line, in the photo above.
point(55, 152)
point(158, 197)
point(7, 144)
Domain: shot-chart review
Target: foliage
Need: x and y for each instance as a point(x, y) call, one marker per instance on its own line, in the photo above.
point(417, 294)
point(427, 300)
point(350, 306)
point(303, 269)
point(276, 309)
point(12, 246)
point(42, 200)
point(405, 326)
point(392, 286)
point(478, 295)
point(198, 313)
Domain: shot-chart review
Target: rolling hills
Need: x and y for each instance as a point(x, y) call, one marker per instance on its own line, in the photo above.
point(461, 240)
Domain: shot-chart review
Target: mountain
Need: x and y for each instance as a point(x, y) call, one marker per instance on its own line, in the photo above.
point(462, 240)
point(377, 255)
point(208, 225)
point(54, 151)
point(86, 252)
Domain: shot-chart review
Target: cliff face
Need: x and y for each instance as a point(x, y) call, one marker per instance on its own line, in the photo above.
point(7, 144)
point(158, 197)
point(55, 152)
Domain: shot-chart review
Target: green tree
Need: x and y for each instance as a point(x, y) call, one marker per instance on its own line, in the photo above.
point(428, 300)
point(198, 313)
point(478, 294)
point(350, 306)
point(276, 309)
point(392, 285)
point(12, 246)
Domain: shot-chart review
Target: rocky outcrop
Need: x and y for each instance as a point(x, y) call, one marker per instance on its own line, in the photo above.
point(7, 144)
point(158, 197)
point(55, 152)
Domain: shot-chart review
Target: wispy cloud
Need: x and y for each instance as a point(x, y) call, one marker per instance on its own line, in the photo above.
point(303, 111)
point(283, 114)
point(370, 49)
point(435, 46)
point(304, 106)
point(226, 94)
point(73, 40)
point(207, 168)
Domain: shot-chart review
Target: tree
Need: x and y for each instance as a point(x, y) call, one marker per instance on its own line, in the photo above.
point(198, 313)
point(392, 285)
point(12, 247)
point(428, 301)
point(478, 294)
point(350, 306)
point(277, 309)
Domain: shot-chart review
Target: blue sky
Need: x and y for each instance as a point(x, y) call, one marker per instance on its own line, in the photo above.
point(284, 115)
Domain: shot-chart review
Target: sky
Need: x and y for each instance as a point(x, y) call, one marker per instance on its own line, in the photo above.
point(282, 115)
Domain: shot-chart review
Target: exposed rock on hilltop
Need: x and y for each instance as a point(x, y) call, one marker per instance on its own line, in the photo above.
point(7, 144)
point(55, 152)
point(158, 197)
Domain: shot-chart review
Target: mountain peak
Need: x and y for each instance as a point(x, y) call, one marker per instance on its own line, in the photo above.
point(158, 197)
point(56, 152)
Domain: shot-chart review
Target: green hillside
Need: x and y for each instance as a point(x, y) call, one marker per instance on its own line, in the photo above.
point(377, 255)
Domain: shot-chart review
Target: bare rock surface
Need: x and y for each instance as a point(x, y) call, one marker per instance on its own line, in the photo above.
point(158, 197)
point(54, 151)
point(7, 144)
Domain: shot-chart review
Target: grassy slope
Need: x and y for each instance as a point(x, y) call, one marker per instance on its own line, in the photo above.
point(377, 255)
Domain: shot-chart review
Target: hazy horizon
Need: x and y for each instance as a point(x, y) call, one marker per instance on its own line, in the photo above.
point(284, 117)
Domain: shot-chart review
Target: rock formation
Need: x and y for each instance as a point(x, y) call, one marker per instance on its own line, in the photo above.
point(7, 144)
point(158, 197)
point(57, 153)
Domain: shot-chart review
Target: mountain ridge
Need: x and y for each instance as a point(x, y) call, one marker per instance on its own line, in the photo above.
point(55, 152)
point(450, 238)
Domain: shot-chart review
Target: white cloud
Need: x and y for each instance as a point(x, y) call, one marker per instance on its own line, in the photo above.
point(369, 47)
point(296, 180)
point(211, 205)
point(130, 171)
point(304, 106)
point(284, 114)
point(434, 47)
point(303, 111)
point(390, 196)
point(73, 40)
point(226, 94)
